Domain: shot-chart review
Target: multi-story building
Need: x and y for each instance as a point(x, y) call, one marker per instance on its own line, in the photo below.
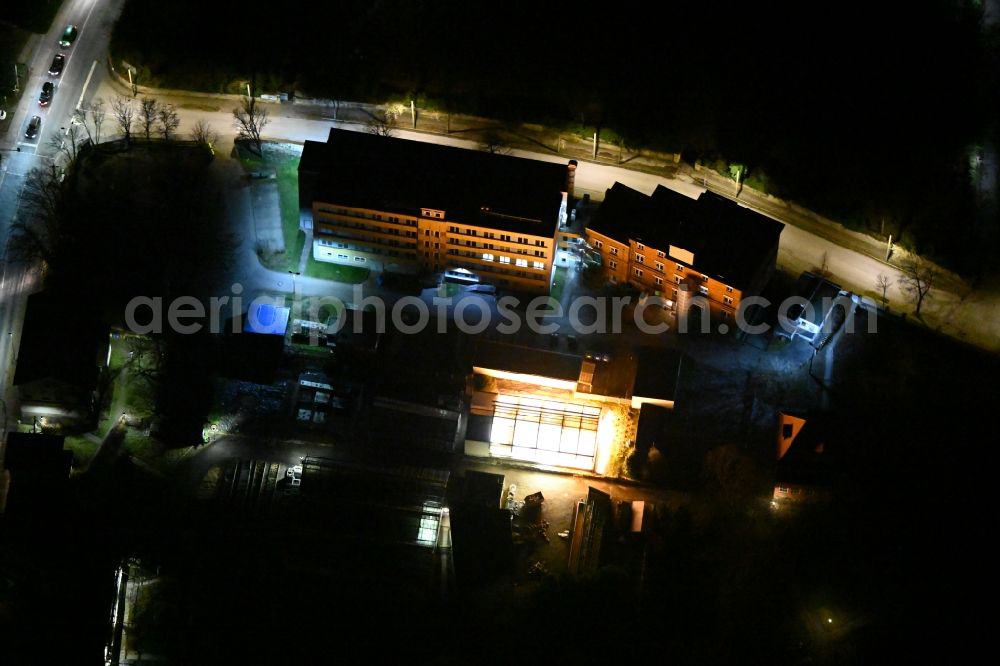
point(391, 204)
point(666, 243)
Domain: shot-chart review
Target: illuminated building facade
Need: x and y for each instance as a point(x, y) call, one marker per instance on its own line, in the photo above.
point(391, 204)
point(667, 242)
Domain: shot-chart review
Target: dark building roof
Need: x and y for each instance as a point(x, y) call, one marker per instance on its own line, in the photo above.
point(526, 360)
point(359, 169)
point(252, 357)
point(820, 292)
point(38, 467)
point(728, 240)
point(62, 339)
point(651, 430)
point(815, 454)
point(657, 373)
point(40, 454)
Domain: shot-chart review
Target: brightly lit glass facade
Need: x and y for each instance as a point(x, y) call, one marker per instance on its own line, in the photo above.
point(545, 431)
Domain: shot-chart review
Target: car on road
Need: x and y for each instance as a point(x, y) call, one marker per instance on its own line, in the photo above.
point(33, 127)
point(46, 96)
point(56, 68)
point(68, 36)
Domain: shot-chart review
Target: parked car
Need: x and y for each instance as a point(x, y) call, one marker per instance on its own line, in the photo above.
point(483, 289)
point(46, 96)
point(56, 68)
point(68, 36)
point(33, 127)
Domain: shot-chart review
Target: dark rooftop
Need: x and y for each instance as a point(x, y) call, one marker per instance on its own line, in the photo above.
point(815, 452)
point(526, 360)
point(359, 169)
point(657, 374)
point(728, 240)
point(62, 339)
point(38, 453)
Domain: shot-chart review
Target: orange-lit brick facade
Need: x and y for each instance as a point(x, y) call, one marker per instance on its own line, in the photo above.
point(446, 215)
point(634, 242)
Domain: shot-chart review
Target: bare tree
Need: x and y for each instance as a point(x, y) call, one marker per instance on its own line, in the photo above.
point(250, 120)
point(169, 121)
point(90, 117)
point(917, 280)
point(493, 142)
point(149, 111)
point(383, 123)
point(882, 283)
point(34, 231)
point(98, 112)
point(380, 126)
point(68, 142)
point(203, 134)
point(124, 111)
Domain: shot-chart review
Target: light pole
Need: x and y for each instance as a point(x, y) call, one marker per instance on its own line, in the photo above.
point(293, 274)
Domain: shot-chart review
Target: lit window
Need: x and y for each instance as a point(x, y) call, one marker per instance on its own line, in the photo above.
point(504, 260)
point(522, 262)
point(487, 257)
point(537, 264)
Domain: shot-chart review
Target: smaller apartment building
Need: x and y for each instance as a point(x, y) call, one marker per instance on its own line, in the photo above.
point(667, 242)
point(391, 204)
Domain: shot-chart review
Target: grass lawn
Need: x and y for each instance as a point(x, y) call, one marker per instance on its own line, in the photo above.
point(337, 272)
point(317, 308)
point(286, 168)
point(559, 283)
point(83, 450)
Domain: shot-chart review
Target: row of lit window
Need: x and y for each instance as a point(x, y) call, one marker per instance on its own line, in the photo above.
point(507, 238)
point(517, 262)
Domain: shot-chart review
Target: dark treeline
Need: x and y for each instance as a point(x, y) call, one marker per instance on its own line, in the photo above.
point(863, 112)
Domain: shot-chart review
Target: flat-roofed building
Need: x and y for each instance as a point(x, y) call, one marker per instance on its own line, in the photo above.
point(391, 204)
